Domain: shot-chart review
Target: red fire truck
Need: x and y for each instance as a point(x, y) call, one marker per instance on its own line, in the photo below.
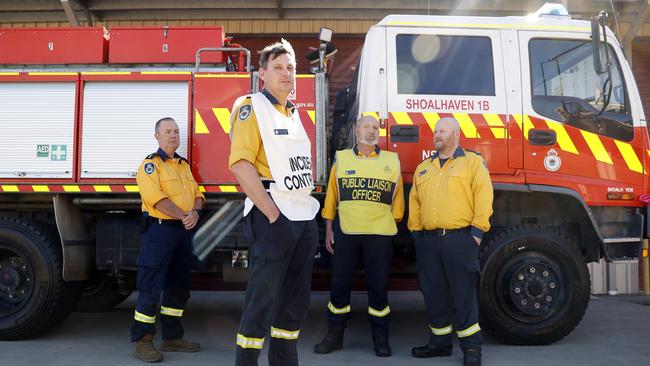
point(549, 102)
point(77, 106)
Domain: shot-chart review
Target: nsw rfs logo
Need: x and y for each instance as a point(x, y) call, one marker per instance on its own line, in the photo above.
point(149, 168)
point(552, 161)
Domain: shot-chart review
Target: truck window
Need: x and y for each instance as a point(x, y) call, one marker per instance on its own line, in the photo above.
point(444, 65)
point(566, 88)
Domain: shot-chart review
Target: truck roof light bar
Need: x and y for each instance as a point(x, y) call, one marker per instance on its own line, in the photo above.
point(554, 10)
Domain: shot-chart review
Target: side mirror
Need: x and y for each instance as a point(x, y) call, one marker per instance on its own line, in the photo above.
point(595, 41)
point(598, 23)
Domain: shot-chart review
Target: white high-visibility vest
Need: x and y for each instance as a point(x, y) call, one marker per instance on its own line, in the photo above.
point(288, 151)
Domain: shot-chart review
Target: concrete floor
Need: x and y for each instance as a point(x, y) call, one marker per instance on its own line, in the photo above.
point(615, 330)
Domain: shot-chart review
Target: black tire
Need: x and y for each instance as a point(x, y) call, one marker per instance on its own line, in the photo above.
point(534, 288)
point(101, 294)
point(33, 295)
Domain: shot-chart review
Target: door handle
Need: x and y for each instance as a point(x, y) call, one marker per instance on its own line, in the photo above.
point(404, 134)
point(542, 137)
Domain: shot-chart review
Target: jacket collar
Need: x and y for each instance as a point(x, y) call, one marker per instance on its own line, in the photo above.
point(274, 100)
point(356, 149)
point(457, 153)
point(163, 155)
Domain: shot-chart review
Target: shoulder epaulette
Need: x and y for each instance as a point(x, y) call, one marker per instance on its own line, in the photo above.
point(185, 160)
point(472, 151)
point(242, 101)
point(151, 156)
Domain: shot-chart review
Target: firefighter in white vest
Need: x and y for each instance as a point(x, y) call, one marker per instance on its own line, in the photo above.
point(365, 185)
point(271, 159)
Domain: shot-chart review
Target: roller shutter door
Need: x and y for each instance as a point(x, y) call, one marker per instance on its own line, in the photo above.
point(37, 137)
point(118, 124)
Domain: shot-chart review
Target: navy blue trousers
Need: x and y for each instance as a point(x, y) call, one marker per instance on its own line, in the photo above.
point(447, 269)
point(281, 258)
point(376, 253)
point(166, 257)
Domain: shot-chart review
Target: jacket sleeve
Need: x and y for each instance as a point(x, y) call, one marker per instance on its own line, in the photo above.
point(483, 197)
point(398, 200)
point(149, 184)
point(331, 197)
point(195, 186)
point(245, 138)
point(414, 221)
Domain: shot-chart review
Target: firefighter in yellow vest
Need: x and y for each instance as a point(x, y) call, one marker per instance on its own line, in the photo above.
point(366, 185)
point(450, 205)
point(271, 158)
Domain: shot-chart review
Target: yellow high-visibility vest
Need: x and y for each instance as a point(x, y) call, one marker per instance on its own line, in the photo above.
point(366, 189)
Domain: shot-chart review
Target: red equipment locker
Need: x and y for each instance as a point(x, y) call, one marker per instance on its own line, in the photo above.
point(53, 46)
point(164, 45)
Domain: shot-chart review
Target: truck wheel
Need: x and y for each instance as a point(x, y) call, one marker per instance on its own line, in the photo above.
point(33, 295)
point(101, 294)
point(534, 288)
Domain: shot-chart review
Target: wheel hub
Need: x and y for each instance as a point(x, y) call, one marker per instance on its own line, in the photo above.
point(15, 279)
point(10, 278)
point(534, 287)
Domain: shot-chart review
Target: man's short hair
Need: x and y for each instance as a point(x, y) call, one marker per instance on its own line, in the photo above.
point(357, 123)
point(366, 116)
point(164, 119)
point(270, 52)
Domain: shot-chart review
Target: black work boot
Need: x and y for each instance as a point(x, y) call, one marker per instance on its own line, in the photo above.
point(382, 348)
point(380, 340)
point(333, 339)
point(472, 357)
point(179, 345)
point(429, 350)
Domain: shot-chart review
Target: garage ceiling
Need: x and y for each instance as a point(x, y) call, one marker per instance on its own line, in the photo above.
point(100, 11)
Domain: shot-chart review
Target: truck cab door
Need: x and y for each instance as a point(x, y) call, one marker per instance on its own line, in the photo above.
point(443, 72)
point(581, 130)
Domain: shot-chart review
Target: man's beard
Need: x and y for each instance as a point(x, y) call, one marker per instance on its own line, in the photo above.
point(366, 141)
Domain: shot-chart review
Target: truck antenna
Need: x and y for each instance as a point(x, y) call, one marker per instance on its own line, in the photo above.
point(618, 29)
